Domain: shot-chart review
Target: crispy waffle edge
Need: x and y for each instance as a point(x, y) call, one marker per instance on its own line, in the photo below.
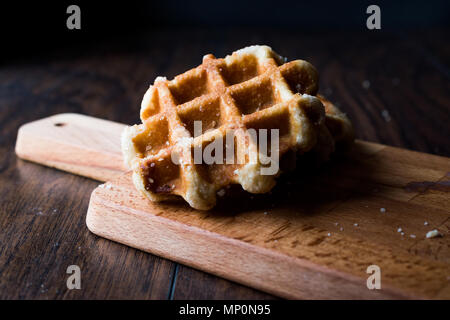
point(319, 133)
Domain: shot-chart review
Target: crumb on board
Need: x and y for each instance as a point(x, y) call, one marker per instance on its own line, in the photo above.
point(382, 210)
point(329, 234)
point(399, 230)
point(425, 223)
point(221, 192)
point(433, 234)
point(355, 224)
point(413, 236)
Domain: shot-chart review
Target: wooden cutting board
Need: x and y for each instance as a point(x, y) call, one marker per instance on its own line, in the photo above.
point(313, 237)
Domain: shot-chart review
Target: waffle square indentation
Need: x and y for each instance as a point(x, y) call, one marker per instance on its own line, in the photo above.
point(255, 97)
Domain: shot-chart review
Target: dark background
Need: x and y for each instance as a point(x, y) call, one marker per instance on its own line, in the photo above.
point(393, 83)
point(29, 28)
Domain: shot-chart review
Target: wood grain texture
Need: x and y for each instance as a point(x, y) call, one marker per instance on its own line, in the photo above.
point(313, 237)
point(75, 143)
point(107, 80)
point(208, 286)
point(351, 190)
point(44, 231)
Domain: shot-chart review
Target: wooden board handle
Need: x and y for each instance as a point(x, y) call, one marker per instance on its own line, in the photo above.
point(313, 238)
point(75, 143)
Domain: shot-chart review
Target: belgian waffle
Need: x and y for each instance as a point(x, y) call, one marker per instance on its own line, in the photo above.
point(254, 88)
point(336, 131)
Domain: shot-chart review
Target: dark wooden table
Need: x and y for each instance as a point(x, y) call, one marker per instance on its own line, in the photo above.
point(393, 85)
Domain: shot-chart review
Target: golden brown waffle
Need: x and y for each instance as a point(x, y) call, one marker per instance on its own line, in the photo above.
point(336, 131)
point(337, 123)
point(251, 89)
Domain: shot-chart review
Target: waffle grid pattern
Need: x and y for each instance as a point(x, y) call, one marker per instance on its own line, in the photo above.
point(253, 88)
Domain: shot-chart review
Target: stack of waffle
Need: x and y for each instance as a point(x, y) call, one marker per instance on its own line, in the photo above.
point(252, 89)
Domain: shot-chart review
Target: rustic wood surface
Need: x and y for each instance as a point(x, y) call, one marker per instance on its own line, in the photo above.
point(75, 143)
point(43, 210)
point(314, 236)
point(305, 226)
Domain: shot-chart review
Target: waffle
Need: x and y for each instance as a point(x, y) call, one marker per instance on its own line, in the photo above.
point(335, 132)
point(254, 88)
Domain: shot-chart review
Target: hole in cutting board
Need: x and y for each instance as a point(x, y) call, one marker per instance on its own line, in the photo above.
point(59, 124)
